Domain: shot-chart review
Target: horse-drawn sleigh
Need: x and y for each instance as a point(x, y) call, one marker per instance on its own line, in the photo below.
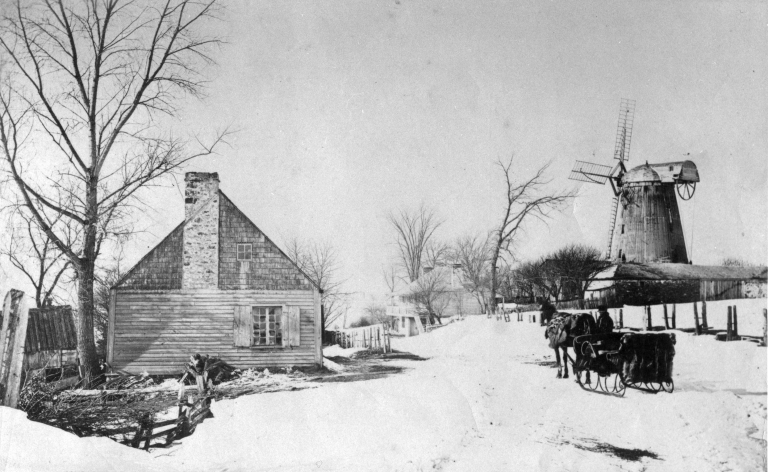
point(611, 362)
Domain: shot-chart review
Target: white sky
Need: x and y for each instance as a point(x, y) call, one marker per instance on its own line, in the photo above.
point(347, 110)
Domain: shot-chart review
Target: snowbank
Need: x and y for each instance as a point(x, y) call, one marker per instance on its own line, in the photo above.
point(26, 446)
point(391, 424)
point(338, 351)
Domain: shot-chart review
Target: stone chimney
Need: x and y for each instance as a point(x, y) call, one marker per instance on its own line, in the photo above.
point(201, 231)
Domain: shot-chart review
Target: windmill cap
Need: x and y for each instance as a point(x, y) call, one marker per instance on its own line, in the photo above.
point(642, 174)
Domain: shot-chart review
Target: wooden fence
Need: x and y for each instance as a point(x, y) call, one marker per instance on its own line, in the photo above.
point(374, 337)
point(163, 433)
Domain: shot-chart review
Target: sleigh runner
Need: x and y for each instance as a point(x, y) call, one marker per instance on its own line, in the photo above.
point(611, 363)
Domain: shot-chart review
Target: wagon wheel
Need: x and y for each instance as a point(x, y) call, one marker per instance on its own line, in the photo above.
point(668, 387)
point(686, 189)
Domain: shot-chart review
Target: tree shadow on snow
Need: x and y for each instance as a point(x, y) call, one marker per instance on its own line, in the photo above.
point(368, 365)
point(632, 455)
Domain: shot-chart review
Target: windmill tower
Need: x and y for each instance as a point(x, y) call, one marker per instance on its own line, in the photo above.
point(644, 223)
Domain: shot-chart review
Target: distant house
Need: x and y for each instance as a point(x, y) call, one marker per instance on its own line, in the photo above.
point(446, 291)
point(215, 285)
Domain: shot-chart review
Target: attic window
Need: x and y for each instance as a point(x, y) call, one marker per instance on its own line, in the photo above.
point(244, 251)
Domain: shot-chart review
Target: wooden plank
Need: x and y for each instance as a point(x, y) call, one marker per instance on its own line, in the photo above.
point(294, 326)
point(16, 358)
point(318, 340)
point(243, 326)
point(111, 325)
point(4, 335)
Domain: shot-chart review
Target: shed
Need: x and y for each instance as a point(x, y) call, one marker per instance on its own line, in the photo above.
point(650, 284)
point(215, 285)
point(51, 339)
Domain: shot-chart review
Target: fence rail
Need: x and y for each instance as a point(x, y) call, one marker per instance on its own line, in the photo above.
point(190, 415)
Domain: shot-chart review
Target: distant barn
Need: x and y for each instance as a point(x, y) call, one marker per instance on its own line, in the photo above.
point(215, 285)
point(652, 284)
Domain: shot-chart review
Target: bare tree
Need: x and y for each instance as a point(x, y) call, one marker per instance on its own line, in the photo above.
point(391, 279)
point(413, 231)
point(473, 254)
point(736, 262)
point(87, 81)
point(525, 200)
point(320, 262)
point(575, 265)
point(33, 253)
point(431, 296)
point(377, 313)
point(436, 253)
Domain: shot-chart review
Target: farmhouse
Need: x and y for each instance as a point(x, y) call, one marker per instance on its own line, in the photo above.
point(215, 285)
point(442, 291)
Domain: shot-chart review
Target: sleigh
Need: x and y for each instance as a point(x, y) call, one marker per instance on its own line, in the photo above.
point(611, 363)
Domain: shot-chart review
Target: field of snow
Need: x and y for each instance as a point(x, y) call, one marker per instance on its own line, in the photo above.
point(487, 399)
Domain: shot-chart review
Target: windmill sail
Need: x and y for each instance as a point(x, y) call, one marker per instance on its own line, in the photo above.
point(590, 172)
point(624, 131)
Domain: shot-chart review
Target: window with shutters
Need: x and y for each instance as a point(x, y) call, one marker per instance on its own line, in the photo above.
point(267, 326)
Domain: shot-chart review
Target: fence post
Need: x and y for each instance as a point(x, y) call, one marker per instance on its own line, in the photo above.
point(704, 324)
point(674, 316)
point(729, 328)
point(696, 317)
point(666, 318)
point(649, 321)
point(621, 318)
point(735, 323)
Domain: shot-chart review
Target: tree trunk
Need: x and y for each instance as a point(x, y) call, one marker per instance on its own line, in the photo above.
point(85, 344)
point(494, 280)
point(85, 271)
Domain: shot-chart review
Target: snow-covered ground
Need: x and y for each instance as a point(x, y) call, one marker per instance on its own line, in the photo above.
point(482, 401)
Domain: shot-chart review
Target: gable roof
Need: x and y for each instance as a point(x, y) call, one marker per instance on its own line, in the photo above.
point(162, 267)
point(228, 202)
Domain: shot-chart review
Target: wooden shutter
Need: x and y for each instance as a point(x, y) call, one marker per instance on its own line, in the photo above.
point(243, 327)
point(294, 314)
point(284, 321)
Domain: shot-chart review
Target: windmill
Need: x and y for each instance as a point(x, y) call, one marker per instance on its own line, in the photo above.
point(644, 223)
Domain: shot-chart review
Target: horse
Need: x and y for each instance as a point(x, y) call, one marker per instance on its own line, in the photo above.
point(561, 331)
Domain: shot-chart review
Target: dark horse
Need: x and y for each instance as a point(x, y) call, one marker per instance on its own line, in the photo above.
point(561, 331)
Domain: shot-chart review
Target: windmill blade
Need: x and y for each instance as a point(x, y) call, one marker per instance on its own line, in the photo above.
point(624, 131)
point(590, 172)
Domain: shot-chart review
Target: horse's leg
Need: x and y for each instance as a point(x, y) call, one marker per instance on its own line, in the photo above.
point(565, 361)
point(557, 357)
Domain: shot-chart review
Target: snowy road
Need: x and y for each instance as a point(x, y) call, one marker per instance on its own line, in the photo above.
point(482, 401)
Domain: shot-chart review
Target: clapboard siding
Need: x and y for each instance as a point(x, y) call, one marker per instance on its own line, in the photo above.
point(157, 332)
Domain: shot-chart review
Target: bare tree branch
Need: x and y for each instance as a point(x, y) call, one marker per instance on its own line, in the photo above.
point(525, 200)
